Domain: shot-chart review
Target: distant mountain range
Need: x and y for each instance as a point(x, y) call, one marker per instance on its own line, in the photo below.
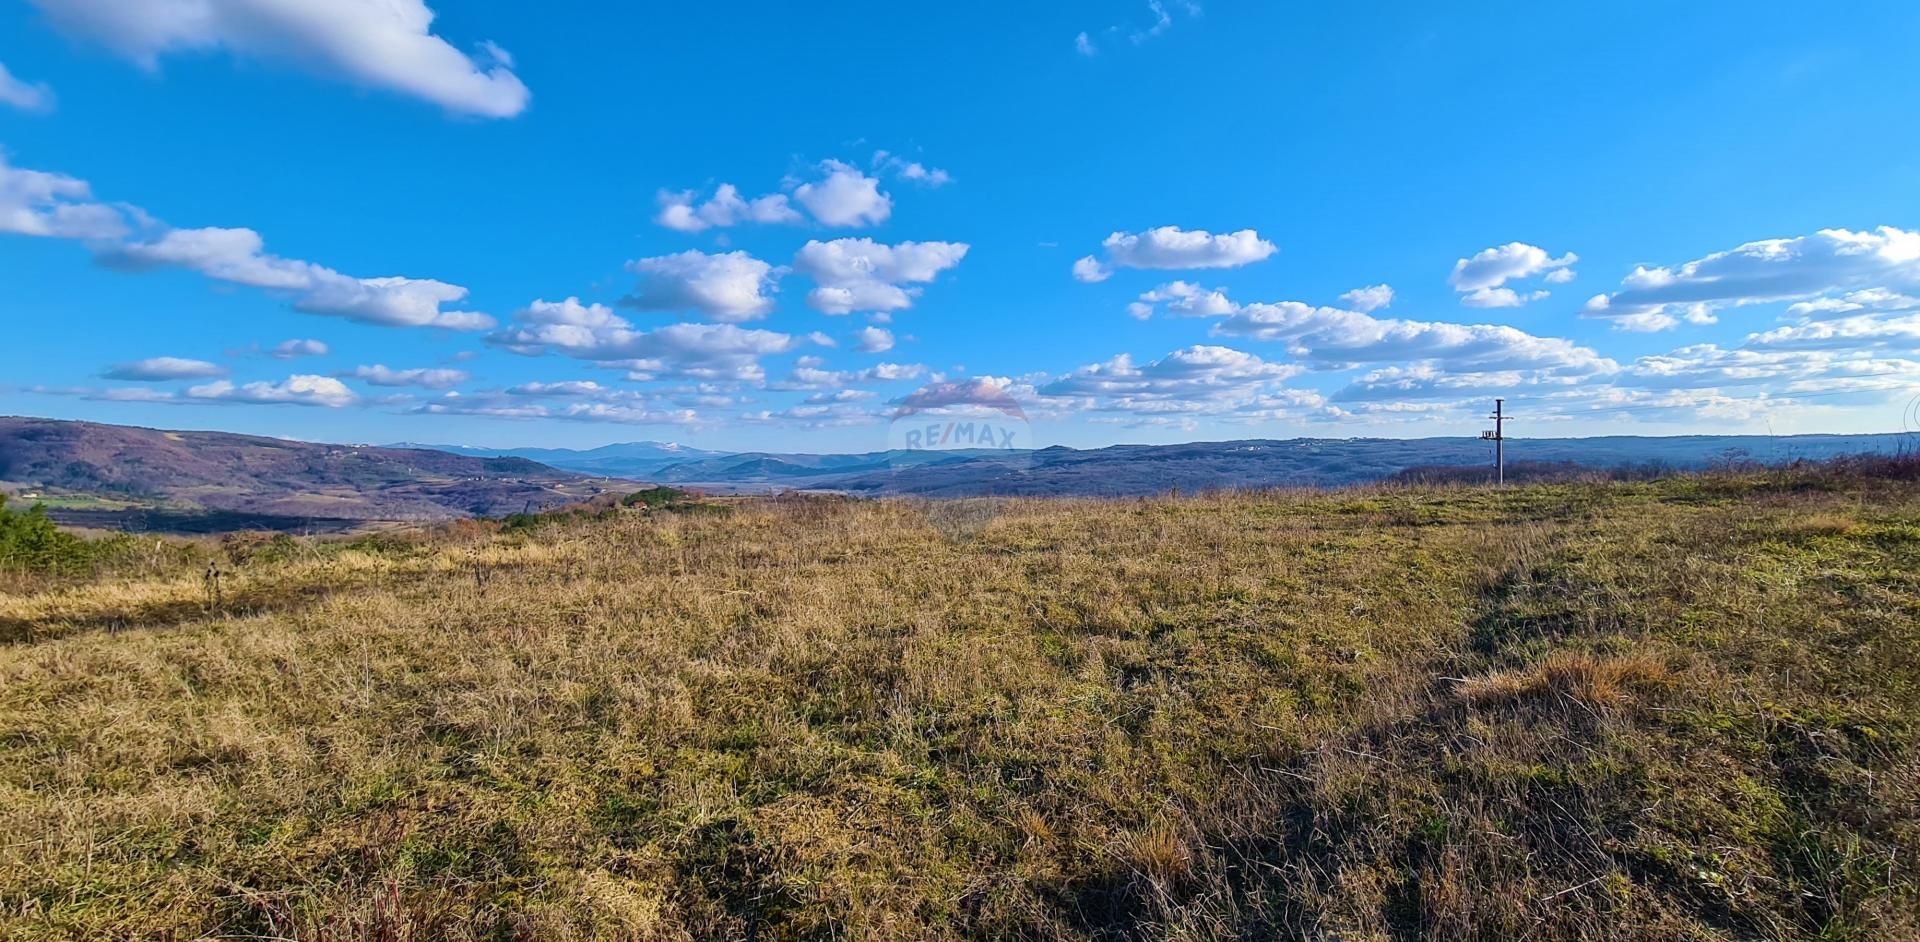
point(157, 476)
point(1129, 470)
point(109, 475)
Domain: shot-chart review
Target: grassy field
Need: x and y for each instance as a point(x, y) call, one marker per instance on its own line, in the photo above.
point(1682, 709)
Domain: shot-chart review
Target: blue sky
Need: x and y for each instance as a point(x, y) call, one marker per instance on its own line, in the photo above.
point(504, 223)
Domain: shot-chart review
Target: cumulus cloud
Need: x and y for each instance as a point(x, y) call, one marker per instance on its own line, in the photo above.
point(303, 390)
point(1197, 380)
point(37, 203)
point(566, 388)
point(911, 171)
point(1183, 298)
point(1368, 299)
point(863, 275)
point(731, 287)
point(292, 349)
point(425, 378)
point(719, 352)
point(810, 373)
point(845, 196)
point(52, 205)
point(1170, 247)
point(238, 256)
point(1481, 280)
point(379, 43)
point(683, 212)
point(161, 369)
point(26, 96)
point(872, 340)
point(1881, 262)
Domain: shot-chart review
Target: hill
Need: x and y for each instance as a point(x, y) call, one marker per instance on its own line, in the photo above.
point(1679, 709)
point(632, 460)
point(1136, 470)
point(258, 480)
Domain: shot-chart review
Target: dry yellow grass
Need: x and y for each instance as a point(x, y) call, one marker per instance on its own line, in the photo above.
point(1674, 710)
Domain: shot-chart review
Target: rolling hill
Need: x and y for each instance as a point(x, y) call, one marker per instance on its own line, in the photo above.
point(189, 472)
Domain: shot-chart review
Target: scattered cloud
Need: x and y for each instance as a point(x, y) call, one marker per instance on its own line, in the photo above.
point(303, 390)
point(872, 340)
point(680, 211)
point(1170, 247)
point(1183, 298)
point(1862, 265)
point(568, 388)
point(237, 256)
point(292, 349)
point(1368, 299)
point(1159, 21)
point(162, 369)
point(378, 43)
point(1481, 280)
point(717, 352)
point(845, 196)
point(52, 205)
point(425, 378)
point(36, 97)
point(863, 275)
point(911, 171)
point(1194, 382)
point(731, 287)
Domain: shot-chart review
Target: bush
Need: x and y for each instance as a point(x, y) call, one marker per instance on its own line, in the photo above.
point(29, 540)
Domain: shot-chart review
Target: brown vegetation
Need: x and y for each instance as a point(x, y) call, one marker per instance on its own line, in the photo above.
point(1683, 709)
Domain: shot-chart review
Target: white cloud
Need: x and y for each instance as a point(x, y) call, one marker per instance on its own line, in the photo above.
point(1481, 279)
point(845, 197)
point(717, 352)
point(1832, 261)
point(26, 96)
point(1335, 337)
point(568, 388)
point(863, 275)
point(912, 171)
point(381, 375)
point(161, 369)
point(810, 373)
point(1867, 299)
point(37, 203)
point(52, 205)
point(1090, 270)
point(726, 207)
point(1502, 297)
point(305, 390)
point(380, 43)
point(1083, 44)
point(872, 340)
point(290, 349)
point(1369, 299)
point(1198, 381)
point(729, 287)
point(1170, 247)
point(238, 256)
point(1183, 298)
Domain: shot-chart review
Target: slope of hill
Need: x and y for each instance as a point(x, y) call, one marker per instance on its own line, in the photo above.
point(1138, 470)
point(624, 459)
point(268, 477)
point(1133, 470)
point(1682, 709)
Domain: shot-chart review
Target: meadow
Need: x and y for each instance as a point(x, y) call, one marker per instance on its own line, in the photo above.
point(1685, 708)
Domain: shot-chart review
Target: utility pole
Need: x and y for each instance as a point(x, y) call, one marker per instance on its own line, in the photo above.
point(1498, 435)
